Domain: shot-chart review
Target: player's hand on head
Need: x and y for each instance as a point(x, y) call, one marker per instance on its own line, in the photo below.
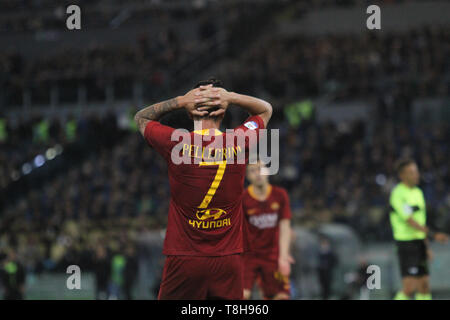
point(190, 104)
point(212, 97)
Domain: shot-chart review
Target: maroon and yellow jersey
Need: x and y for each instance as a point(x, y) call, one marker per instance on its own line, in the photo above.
point(205, 211)
point(262, 221)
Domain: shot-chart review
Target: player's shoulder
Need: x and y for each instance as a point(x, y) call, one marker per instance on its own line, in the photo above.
point(418, 190)
point(156, 124)
point(247, 198)
point(396, 193)
point(401, 188)
point(279, 191)
point(252, 123)
point(155, 129)
point(397, 189)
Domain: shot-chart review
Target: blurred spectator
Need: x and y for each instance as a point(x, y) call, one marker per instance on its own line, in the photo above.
point(116, 288)
point(327, 264)
point(12, 275)
point(101, 268)
point(361, 281)
point(131, 271)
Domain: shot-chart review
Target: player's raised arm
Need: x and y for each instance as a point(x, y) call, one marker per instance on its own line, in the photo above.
point(221, 98)
point(156, 111)
point(254, 106)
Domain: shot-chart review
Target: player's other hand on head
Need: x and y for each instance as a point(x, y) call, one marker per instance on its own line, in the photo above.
point(211, 97)
point(441, 237)
point(188, 101)
point(284, 265)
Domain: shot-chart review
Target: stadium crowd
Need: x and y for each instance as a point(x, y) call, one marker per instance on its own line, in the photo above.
point(414, 63)
point(347, 66)
point(150, 60)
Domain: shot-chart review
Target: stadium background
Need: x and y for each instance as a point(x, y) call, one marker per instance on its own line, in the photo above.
point(78, 181)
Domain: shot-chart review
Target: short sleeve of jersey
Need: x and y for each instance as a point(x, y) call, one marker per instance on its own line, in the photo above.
point(158, 136)
point(285, 212)
point(399, 205)
point(253, 124)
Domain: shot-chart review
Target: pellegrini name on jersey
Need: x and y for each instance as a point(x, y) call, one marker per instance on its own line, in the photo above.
point(208, 153)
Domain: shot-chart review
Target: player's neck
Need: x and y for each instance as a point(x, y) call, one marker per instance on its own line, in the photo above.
point(261, 192)
point(408, 185)
point(206, 124)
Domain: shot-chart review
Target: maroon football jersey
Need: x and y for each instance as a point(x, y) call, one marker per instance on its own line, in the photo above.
point(262, 221)
point(205, 210)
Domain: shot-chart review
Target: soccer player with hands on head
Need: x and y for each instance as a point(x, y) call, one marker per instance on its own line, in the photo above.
point(204, 236)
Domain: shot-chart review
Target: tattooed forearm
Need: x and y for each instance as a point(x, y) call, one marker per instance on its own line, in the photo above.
point(155, 112)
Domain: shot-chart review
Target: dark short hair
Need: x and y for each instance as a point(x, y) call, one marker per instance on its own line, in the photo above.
point(215, 82)
point(402, 163)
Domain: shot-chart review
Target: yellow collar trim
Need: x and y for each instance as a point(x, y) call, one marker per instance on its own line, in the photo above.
point(251, 191)
point(205, 132)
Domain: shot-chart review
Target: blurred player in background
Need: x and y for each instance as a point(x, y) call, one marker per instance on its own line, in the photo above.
point(268, 232)
point(328, 261)
point(12, 277)
point(204, 240)
point(408, 221)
